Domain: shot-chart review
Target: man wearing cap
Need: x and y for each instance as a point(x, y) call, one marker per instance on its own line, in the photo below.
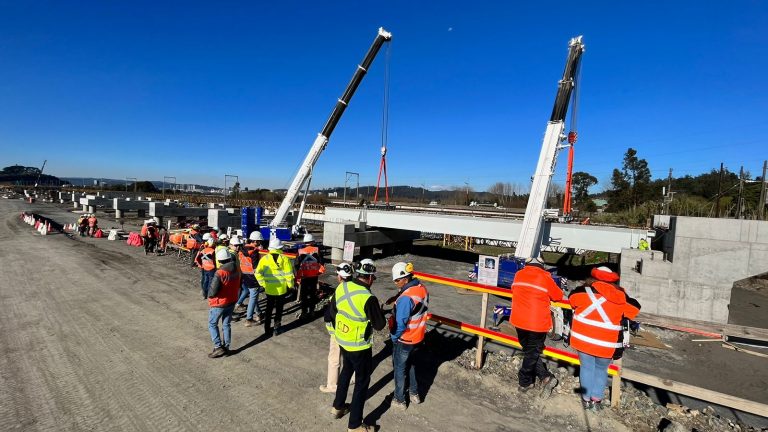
point(408, 326)
point(532, 290)
point(222, 296)
point(599, 306)
point(275, 273)
point(355, 314)
point(344, 273)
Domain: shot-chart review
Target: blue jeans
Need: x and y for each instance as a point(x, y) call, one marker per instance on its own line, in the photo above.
point(593, 375)
point(225, 315)
point(206, 276)
point(402, 359)
point(253, 302)
point(243, 294)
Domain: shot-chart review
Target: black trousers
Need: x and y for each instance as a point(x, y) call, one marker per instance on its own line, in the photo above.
point(533, 366)
point(274, 302)
point(360, 363)
point(308, 296)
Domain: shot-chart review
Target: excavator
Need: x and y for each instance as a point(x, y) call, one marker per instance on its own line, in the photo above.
point(304, 175)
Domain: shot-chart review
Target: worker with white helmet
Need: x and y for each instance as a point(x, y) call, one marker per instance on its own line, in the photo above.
point(206, 261)
point(222, 243)
point(275, 273)
point(222, 296)
point(407, 327)
point(355, 313)
point(249, 257)
point(309, 268)
point(344, 273)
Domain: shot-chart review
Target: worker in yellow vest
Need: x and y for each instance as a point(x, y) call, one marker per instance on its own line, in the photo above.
point(275, 273)
point(355, 314)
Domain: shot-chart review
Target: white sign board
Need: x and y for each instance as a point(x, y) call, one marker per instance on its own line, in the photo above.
point(349, 251)
point(488, 270)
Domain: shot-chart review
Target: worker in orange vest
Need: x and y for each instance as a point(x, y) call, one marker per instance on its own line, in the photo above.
point(309, 268)
point(532, 290)
point(407, 326)
point(221, 302)
point(206, 261)
point(597, 333)
point(194, 242)
point(92, 224)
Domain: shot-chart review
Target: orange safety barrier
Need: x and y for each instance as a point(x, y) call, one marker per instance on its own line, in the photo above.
point(554, 353)
point(473, 286)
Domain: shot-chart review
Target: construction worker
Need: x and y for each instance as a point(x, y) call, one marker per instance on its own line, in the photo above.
point(309, 268)
point(344, 273)
point(194, 242)
point(355, 314)
point(532, 290)
point(407, 328)
point(249, 258)
point(150, 241)
point(82, 225)
point(643, 244)
point(206, 260)
point(222, 243)
point(275, 273)
point(221, 302)
point(599, 307)
point(92, 224)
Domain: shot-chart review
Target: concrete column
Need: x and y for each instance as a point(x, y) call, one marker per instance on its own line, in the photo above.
point(76, 204)
point(85, 208)
point(337, 255)
point(118, 214)
point(141, 213)
point(91, 209)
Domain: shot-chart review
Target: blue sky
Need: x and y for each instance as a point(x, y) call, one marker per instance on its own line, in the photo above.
point(197, 90)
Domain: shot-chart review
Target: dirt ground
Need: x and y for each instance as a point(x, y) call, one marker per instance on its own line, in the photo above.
point(98, 336)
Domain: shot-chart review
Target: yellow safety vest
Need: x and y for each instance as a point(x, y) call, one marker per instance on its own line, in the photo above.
point(232, 254)
point(275, 277)
point(351, 320)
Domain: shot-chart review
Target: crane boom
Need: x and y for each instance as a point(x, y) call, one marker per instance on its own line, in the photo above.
point(322, 138)
point(529, 243)
point(40, 173)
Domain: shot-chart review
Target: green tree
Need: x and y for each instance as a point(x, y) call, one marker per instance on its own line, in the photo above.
point(581, 182)
point(630, 186)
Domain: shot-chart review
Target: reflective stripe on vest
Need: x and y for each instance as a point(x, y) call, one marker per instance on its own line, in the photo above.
point(309, 267)
point(605, 323)
point(529, 285)
point(351, 321)
point(597, 342)
point(207, 259)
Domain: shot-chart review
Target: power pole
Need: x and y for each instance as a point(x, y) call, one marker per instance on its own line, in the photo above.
point(739, 203)
point(668, 195)
point(719, 192)
point(761, 207)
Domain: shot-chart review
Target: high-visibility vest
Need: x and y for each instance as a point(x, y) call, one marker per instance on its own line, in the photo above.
point(532, 290)
point(309, 267)
point(597, 312)
point(230, 289)
point(246, 263)
point(207, 258)
point(417, 321)
point(351, 320)
point(192, 243)
point(275, 277)
point(231, 254)
point(92, 221)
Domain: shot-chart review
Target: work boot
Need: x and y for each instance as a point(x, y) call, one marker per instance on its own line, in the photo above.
point(240, 308)
point(328, 389)
point(217, 352)
point(598, 405)
point(547, 385)
point(415, 399)
point(526, 389)
point(362, 428)
point(250, 323)
point(278, 330)
point(587, 405)
point(339, 413)
point(399, 405)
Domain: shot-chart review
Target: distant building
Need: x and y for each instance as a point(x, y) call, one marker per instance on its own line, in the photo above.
point(601, 204)
point(333, 194)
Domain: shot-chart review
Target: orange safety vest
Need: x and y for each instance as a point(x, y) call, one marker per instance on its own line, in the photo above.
point(91, 221)
point(532, 290)
point(207, 258)
point(230, 289)
point(417, 323)
point(192, 243)
point(144, 230)
point(246, 263)
point(597, 314)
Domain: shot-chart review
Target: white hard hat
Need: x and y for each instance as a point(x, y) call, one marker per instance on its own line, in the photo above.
point(275, 243)
point(256, 236)
point(309, 237)
point(223, 237)
point(235, 241)
point(401, 270)
point(345, 270)
point(223, 254)
point(215, 228)
point(534, 260)
point(207, 236)
point(366, 267)
point(210, 241)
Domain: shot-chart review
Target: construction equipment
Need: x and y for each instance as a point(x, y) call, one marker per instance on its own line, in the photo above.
point(529, 243)
point(40, 173)
point(321, 141)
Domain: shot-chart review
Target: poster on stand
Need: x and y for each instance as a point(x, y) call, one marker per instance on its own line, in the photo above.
point(488, 270)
